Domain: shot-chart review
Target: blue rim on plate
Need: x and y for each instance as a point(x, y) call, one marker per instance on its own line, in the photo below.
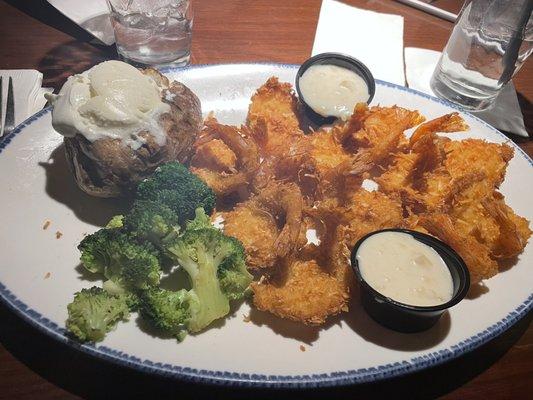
point(226, 378)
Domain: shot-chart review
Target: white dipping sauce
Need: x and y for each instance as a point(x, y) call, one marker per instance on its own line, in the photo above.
point(400, 267)
point(332, 91)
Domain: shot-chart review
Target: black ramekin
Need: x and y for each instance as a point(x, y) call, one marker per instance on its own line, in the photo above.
point(404, 317)
point(339, 60)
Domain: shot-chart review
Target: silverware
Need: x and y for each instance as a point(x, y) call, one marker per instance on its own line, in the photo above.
point(428, 8)
point(1, 105)
point(9, 123)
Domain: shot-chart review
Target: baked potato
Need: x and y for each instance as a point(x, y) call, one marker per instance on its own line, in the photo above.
point(108, 168)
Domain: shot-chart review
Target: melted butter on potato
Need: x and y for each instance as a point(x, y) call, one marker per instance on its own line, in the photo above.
point(111, 100)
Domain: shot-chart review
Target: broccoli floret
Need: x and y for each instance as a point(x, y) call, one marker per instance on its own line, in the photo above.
point(213, 263)
point(94, 250)
point(233, 275)
point(201, 221)
point(175, 186)
point(132, 300)
point(115, 222)
point(151, 220)
point(165, 309)
point(133, 264)
point(128, 263)
point(94, 312)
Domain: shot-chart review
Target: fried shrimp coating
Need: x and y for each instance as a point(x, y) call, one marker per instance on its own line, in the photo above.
point(268, 224)
point(295, 166)
point(215, 155)
point(382, 129)
point(298, 186)
point(344, 155)
point(459, 178)
point(475, 154)
point(285, 202)
point(273, 119)
point(316, 283)
point(436, 169)
point(425, 153)
point(514, 231)
point(447, 123)
point(470, 163)
point(491, 222)
point(275, 128)
point(476, 256)
point(225, 158)
point(342, 226)
point(327, 151)
point(302, 291)
point(367, 212)
point(257, 230)
point(398, 176)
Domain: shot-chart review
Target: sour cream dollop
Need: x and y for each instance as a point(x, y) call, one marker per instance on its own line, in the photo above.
point(111, 100)
point(400, 267)
point(332, 91)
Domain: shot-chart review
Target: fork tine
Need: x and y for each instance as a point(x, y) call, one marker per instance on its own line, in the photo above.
point(1, 108)
point(9, 124)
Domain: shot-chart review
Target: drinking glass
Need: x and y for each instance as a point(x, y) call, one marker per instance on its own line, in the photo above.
point(489, 43)
point(152, 32)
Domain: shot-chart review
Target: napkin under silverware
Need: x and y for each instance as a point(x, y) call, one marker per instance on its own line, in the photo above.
point(375, 39)
point(91, 15)
point(27, 91)
point(505, 113)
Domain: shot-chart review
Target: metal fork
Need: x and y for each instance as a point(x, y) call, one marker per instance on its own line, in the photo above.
point(9, 122)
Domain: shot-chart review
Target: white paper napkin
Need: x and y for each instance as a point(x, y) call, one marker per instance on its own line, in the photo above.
point(28, 92)
point(375, 39)
point(505, 114)
point(91, 15)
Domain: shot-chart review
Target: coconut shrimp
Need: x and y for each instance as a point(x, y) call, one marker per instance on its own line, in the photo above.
point(225, 158)
point(476, 256)
point(267, 224)
point(301, 291)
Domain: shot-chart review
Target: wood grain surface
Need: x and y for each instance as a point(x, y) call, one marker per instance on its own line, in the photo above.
point(33, 366)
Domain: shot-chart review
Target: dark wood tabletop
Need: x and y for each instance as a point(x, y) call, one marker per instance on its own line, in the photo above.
point(34, 35)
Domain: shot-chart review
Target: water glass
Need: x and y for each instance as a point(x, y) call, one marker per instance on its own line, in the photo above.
point(152, 32)
point(489, 43)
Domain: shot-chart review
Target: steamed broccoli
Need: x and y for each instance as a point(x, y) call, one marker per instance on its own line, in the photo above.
point(175, 186)
point(214, 263)
point(217, 273)
point(131, 251)
point(201, 220)
point(94, 312)
point(94, 250)
point(233, 275)
point(123, 260)
point(116, 222)
point(151, 220)
point(132, 300)
point(165, 309)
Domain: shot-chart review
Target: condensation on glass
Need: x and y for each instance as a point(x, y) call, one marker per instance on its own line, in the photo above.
point(489, 43)
point(153, 32)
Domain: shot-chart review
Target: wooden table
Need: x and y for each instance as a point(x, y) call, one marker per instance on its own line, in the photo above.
point(34, 35)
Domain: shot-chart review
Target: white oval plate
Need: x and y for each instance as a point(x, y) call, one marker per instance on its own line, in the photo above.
point(38, 274)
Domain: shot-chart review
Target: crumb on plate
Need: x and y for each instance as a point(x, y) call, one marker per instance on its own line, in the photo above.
point(302, 347)
point(58, 235)
point(47, 275)
point(246, 318)
point(46, 225)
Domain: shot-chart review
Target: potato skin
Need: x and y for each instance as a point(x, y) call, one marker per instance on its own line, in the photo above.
point(108, 168)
